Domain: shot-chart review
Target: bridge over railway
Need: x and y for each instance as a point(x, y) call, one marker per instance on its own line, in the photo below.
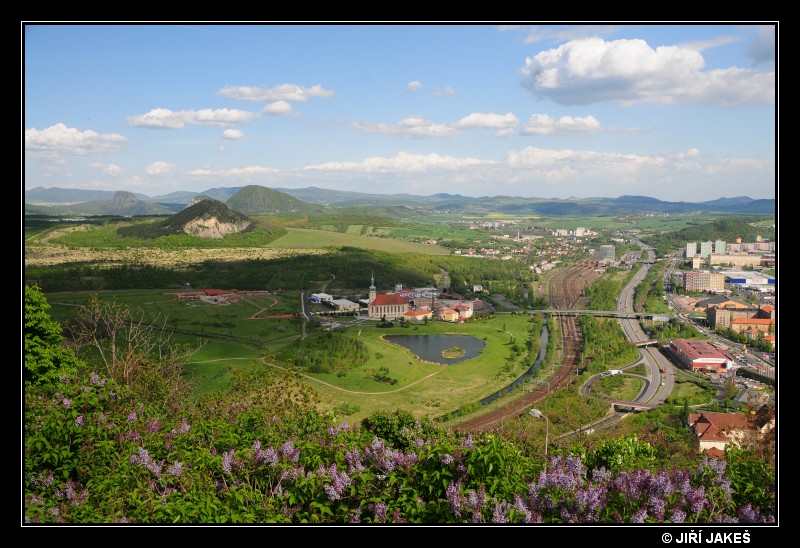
point(610, 314)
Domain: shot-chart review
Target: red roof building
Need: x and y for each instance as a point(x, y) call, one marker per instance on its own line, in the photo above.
point(699, 355)
point(388, 305)
point(715, 431)
point(739, 325)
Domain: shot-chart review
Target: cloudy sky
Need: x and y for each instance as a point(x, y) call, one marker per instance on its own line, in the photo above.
point(677, 112)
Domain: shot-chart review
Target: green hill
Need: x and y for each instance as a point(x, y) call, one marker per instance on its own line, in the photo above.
point(206, 218)
point(259, 200)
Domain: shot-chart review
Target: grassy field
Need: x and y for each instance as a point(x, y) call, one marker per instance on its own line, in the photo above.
point(620, 388)
point(425, 389)
point(304, 238)
point(235, 335)
point(695, 392)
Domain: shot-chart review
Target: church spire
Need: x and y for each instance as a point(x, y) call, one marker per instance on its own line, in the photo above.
point(373, 292)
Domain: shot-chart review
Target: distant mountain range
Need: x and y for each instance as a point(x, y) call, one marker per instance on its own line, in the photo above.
point(258, 200)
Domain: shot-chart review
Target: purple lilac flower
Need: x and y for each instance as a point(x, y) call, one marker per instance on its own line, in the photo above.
point(153, 426)
point(143, 459)
point(658, 507)
point(521, 508)
point(354, 460)
point(696, 499)
point(678, 516)
point(355, 515)
point(334, 430)
point(79, 420)
point(446, 458)
point(453, 496)
point(500, 512)
point(183, 428)
point(468, 442)
point(397, 517)
point(175, 469)
point(748, 514)
point(66, 403)
point(716, 465)
point(379, 510)
point(287, 450)
point(639, 516)
point(132, 416)
point(96, 380)
point(132, 435)
point(227, 462)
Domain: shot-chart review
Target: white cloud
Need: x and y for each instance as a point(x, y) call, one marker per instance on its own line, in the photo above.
point(447, 90)
point(234, 172)
point(282, 92)
point(221, 149)
point(158, 168)
point(232, 134)
point(544, 124)
point(402, 162)
point(629, 71)
point(508, 132)
point(701, 45)
point(109, 169)
point(416, 84)
point(411, 126)
point(278, 108)
point(50, 143)
point(488, 120)
point(176, 119)
point(419, 126)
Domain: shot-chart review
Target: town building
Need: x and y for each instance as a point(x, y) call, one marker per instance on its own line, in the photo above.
point(344, 305)
point(418, 315)
point(691, 249)
point(762, 325)
point(719, 247)
point(735, 259)
point(703, 280)
point(706, 248)
point(390, 306)
point(714, 431)
point(699, 355)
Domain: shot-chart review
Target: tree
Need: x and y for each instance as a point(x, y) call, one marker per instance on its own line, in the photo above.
point(45, 357)
point(133, 351)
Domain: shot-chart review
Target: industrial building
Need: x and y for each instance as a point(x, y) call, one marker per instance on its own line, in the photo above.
point(697, 355)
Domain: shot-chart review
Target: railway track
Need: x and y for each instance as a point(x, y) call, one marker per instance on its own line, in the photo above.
point(566, 291)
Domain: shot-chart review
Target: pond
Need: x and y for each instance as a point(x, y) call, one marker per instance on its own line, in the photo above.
point(431, 347)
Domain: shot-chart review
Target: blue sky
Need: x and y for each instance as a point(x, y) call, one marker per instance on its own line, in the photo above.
point(680, 112)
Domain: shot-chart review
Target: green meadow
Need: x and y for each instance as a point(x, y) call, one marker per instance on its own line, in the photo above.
point(305, 238)
point(237, 335)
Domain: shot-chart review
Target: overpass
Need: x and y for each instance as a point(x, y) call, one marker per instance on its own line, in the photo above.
point(643, 344)
point(632, 406)
point(609, 314)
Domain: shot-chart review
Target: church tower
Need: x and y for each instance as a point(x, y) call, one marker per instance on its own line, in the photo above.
point(372, 289)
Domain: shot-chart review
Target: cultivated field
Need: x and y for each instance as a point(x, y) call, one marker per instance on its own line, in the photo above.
point(304, 238)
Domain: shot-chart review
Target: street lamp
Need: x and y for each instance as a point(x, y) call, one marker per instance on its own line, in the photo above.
point(539, 415)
